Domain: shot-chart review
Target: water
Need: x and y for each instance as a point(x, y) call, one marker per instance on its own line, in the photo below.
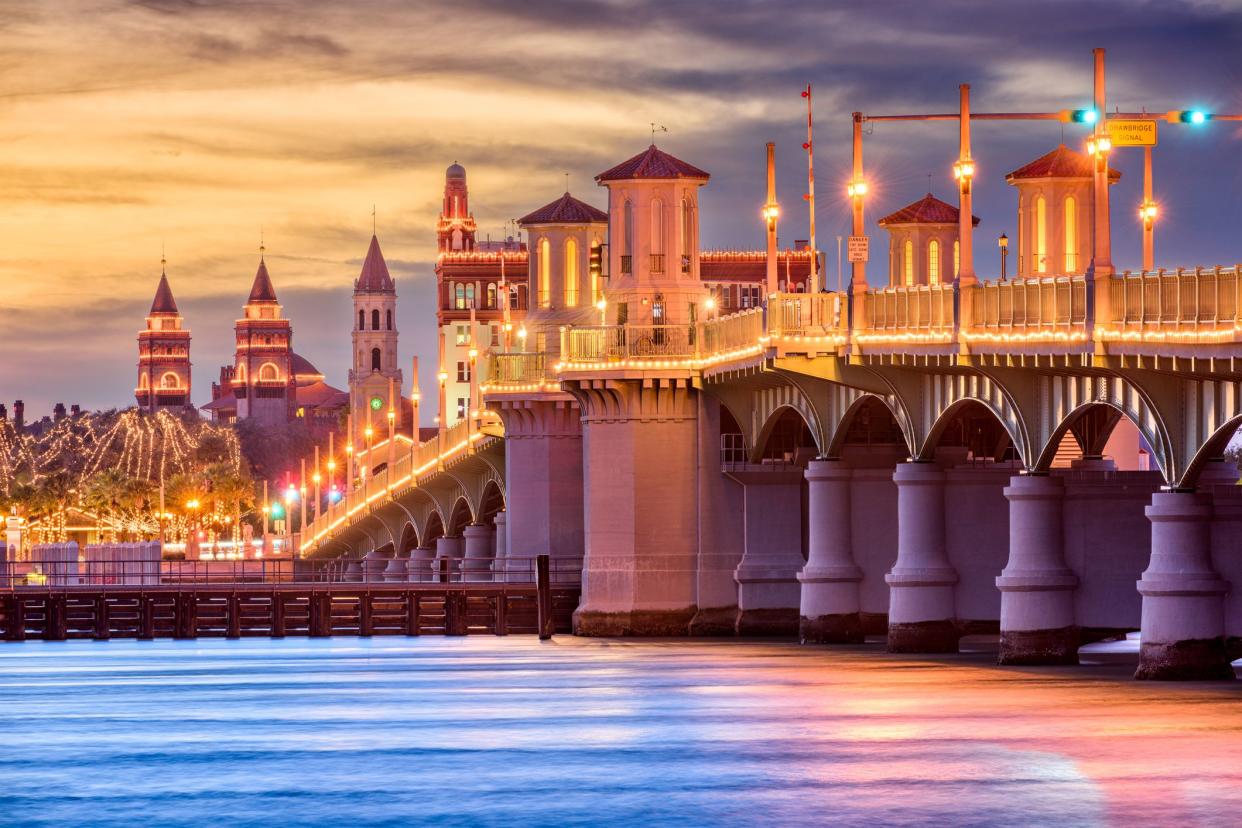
point(507, 731)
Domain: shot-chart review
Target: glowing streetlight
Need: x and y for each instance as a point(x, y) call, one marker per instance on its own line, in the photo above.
point(442, 376)
point(857, 188)
point(1003, 244)
point(602, 307)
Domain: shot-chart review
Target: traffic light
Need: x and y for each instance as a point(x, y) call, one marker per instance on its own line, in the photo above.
point(1189, 116)
point(597, 261)
point(1080, 116)
point(278, 511)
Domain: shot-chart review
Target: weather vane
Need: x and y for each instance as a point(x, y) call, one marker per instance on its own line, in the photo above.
point(656, 128)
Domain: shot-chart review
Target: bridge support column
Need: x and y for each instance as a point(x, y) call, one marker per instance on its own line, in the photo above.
point(1183, 623)
point(418, 567)
point(373, 566)
point(721, 520)
point(501, 526)
point(398, 567)
point(767, 577)
point(449, 549)
point(476, 565)
point(641, 473)
point(829, 612)
point(1037, 622)
point(921, 608)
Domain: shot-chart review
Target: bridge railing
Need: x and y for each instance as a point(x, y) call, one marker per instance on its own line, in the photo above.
point(617, 343)
point(806, 314)
point(915, 310)
point(1049, 306)
point(523, 368)
point(1160, 302)
point(734, 332)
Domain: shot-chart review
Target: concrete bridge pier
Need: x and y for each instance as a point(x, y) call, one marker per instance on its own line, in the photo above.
point(448, 549)
point(641, 479)
point(767, 577)
point(830, 607)
point(419, 566)
point(921, 614)
point(1037, 623)
point(479, 551)
point(1183, 625)
point(721, 531)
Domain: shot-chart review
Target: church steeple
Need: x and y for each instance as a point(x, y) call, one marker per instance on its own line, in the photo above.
point(376, 370)
point(163, 353)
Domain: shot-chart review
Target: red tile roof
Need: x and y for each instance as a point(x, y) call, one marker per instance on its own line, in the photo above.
point(226, 402)
point(1062, 162)
point(374, 277)
point(319, 394)
point(164, 302)
point(927, 210)
point(565, 210)
point(652, 163)
point(262, 289)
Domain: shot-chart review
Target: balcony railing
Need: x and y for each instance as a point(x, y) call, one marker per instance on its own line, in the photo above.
point(614, 343)
point(1190, 301)
point(731, 333)
point(517, 368)
point(806, 314)
point(917, 311)
point(1050, 307)
point(657, 262)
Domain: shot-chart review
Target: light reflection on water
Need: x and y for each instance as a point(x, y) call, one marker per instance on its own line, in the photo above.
point(512, 731)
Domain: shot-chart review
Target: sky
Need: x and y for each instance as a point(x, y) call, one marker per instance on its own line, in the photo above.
point(194, 127)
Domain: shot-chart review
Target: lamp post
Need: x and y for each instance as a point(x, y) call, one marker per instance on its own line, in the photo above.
point(1003, 244)
point(771, 211)
point(1147, 214)
point(964, 172)
point(857, 189)
point(192, 535)
point(316, 478)
point(601, 306)
point(1099, 147)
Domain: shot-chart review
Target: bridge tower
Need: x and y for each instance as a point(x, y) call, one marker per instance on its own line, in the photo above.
point(375, 372)
point(163, 354)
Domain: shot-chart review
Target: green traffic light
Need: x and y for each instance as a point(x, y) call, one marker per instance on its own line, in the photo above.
point(1084, 116)
point(278, 511)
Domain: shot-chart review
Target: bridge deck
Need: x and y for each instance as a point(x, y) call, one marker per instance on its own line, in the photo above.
point(277, 610)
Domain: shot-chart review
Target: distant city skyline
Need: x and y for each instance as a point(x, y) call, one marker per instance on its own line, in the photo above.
point(192, 127)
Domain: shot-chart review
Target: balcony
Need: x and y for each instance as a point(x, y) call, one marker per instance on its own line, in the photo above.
point(657, 263)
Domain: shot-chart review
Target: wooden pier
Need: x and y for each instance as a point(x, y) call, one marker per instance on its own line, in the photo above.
point(290, 609)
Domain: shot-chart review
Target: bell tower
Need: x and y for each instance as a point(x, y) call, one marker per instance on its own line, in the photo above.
point(263, 379)
point(375, 373)
point(163, 354)
point(456, 229)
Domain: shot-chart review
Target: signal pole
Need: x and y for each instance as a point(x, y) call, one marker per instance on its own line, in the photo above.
point(809, 146)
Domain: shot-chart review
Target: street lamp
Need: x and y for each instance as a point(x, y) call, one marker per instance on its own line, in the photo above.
point(964, 171)
point(602, 307)
point(1003, 244)
point(771, 212)
point(857, 188)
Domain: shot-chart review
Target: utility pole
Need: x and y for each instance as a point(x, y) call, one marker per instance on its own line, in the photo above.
point(809, 146)
point(771, 212)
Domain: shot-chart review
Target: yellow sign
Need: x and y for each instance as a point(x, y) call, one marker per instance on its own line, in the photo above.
point(1132, 133)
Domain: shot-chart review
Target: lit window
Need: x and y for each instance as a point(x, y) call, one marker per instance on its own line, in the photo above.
point(907, 262)
point(571, 273)
point(545, 273)
point(1071, 235)
point(933, 262)
point(957, 258)
point(1041, 236)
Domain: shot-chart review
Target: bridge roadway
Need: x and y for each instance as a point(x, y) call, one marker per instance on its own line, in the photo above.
point(925, 461)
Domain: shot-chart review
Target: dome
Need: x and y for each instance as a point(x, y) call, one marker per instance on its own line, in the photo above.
point(455, 172)
point(302, 368)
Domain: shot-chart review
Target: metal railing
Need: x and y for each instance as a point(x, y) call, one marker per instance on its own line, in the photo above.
point(917, 309)
point(805, 314)
point(734, 332)
point(517, 368)
point(615, 343)
point(1030, 306)
point(1199, 299)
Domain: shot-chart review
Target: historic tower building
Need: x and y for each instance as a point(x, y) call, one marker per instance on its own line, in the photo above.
point(163, 354)
point(375, 373)
point(653, 210)
point(263, 381)
point(456, 228)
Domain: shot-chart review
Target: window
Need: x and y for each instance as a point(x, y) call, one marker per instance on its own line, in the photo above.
point(495, 329)
point(241, 372)
point(375, 320)
point(362, 320)
point(470, 296)
point(933, 262)
point(459, 296)
point(657, 236)
point(142, 381)
point(388, 320)
point(461, 408)
point(463, 371)
point(749, 296)
point(687, 234)
point(1041, 236)
point(627, 237)
point(491, 294)
point(957, 257)
point(1071, 235)
point(545, 273)
point(907, 263)
point(463, 334)
point(170, 381)
point(571, 273)
point(267, 373)
point(375, 359)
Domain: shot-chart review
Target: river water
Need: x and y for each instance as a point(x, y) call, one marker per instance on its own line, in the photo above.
point(509, 731)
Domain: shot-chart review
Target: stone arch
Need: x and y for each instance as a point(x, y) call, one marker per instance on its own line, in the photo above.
point(780, 433)
point(492, 501)
point(768, 404)
point(1069, 398)
point(1212, 448)
point(936, 394)
point(432, 529)
point(984, 433)
point(461, 516)
point(858, 416)
point(409, 539)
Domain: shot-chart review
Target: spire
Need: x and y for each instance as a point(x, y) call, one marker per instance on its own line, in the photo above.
point(164, 302)
point(374, 277)
point(262, 289)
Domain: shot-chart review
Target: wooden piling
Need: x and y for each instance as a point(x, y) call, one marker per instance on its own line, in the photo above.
point(543, 597)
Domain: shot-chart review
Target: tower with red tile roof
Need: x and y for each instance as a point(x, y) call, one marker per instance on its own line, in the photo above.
point(456, 229)
point(1054, 213)
point(923, 242)
point(653, 210)
point(163, 354)
point(376, 372)
point(263, 379)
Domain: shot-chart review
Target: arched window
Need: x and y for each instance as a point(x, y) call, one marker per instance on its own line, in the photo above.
point(375, 359)
point(907, 262)
point(957, 257)
point(375, 320)
point(362, 320)
point(571, 273)
point(491, 294)
point(1041, 235)
point(170, 381)
point(268, 373)
point(459, 296)
point(241, 371)
point(545, 273)
point(627, 237)
point(933, 262)
point(687, 234)
point(470, 295)
point(388, 320)
point(142, 381)
point(1071, 235)
point(1023, 237)
point(657, 236)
